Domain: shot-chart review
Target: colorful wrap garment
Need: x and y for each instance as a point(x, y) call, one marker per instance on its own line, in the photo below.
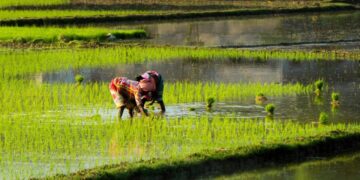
point(159, 82)
point(125, 91)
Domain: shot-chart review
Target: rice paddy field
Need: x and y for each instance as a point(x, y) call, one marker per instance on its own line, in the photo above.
point(267, 92)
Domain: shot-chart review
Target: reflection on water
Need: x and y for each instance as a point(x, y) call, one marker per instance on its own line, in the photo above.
point(342, 167)
point(256, 30)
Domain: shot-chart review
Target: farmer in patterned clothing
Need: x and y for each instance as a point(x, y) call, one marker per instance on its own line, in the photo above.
point(128, 94)
point(155, 94)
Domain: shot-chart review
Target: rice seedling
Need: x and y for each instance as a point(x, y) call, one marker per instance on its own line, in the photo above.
point(58, 34)
point(79, 79)
point(318, 87)
point(72, 143)
point(27, 2)
point(33, 61)
point(335, 99)
point(323, 118)
point(209, 103)
point(28, 96)
point(270, 108)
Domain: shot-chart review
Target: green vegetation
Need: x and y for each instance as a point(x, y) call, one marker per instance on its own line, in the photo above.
point(259, 141)
point(23, 96)
point(68, 143)
point(323, 118)
point(79, 79)
point(318, 87)
point(335, 96)
point(270, 108)
point(335, 100)
point(55, 34)
point(34, 61)
point(27, 14)
point(31, 2)
point(209, 103)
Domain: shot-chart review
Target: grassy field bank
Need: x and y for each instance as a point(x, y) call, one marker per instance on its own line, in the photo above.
point(56, 34)
point(85, 17)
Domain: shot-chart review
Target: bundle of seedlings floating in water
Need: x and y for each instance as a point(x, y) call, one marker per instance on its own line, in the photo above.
point(319, 84)
point(260, 98)
point(209, 103)
point(323, 118)
point(270, 108)
point(79, 79)
point(335, 100)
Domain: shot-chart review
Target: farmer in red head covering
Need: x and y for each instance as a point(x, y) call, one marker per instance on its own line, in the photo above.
point(155, 91)
point(127, 94)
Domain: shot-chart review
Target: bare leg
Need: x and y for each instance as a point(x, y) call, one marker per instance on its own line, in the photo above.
point(121, 111)
point(162, 106)
point(131, 112)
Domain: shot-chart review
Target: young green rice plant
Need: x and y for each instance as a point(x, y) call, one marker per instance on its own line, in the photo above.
point(270, 108)
point(335, 99)
point(30, 96)
point(34, 3)
point(35, 61)
point(79, 79)
point(323, 118)
point(67, 34)
point(319, 84)
point(69, 143)
point(209, 103)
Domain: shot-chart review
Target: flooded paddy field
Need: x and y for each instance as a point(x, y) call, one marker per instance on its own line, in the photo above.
point(256, 31)
point(50, 124)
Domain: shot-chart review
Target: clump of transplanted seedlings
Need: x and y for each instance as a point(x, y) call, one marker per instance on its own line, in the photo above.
point(319, 84)
point(270, 108)
point(260, 98)
point(79, 79)
point(335, 99)
point(191, 109)
point(209, 103)
point(323, 118)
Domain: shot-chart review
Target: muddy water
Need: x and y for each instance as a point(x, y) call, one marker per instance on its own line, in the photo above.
point(341, 76)
point(259, 30)
point(342, 167)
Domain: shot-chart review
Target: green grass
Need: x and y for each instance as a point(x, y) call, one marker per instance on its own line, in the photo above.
point(25, 62)
point(32, 2)
point(189, 8)
point(55, 34)
point(64, 144)
point(21, 14)
point(21, 96)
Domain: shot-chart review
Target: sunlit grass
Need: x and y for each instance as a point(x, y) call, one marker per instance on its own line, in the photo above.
point(22, 96)
point(34, 148)
point(55, 34)
point(31, 2)
point(22, 62)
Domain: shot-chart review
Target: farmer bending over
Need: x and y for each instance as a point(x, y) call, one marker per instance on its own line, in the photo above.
point(157, 93)
point(127, 94)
